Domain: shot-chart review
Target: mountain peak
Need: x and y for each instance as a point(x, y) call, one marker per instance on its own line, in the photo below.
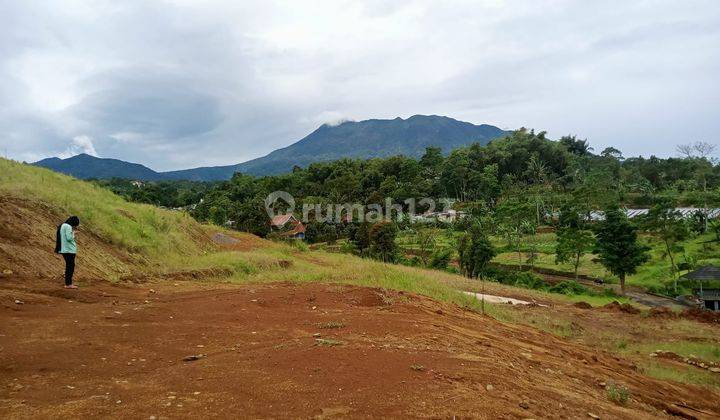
point(348, 139)
point(374, 138)
point(83, 156)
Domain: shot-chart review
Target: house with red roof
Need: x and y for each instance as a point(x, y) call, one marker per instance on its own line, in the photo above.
point(288, 226)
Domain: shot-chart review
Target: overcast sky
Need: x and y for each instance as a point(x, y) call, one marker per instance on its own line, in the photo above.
point(188, 83)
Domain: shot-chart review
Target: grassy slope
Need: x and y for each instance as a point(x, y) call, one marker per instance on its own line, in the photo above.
point(137, 228)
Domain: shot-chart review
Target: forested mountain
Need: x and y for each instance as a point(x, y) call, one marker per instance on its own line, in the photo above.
point(350, 139)
point(373, 138)
point(84, 166)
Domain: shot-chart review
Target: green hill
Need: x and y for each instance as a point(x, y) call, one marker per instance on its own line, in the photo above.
point(117, 238)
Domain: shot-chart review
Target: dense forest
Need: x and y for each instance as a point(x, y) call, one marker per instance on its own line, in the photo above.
point(525, 168)
point(169, 194)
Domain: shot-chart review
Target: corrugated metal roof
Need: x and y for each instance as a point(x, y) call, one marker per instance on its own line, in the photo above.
point(712, 213)
point(705, 273)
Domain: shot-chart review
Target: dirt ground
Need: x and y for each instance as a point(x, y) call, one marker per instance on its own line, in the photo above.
point(301, 351)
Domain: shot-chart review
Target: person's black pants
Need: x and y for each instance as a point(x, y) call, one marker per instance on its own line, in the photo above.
point(69, 268)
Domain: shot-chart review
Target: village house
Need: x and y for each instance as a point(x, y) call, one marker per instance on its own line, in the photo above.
point(288, 226)
point(708, 297)
point(448, 216)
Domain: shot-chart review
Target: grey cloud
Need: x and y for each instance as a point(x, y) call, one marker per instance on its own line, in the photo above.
point(175, 85)
point(157, 108)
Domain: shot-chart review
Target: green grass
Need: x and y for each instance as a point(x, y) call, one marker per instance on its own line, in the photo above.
point(655, 275)
point(459, 282)
point(337, 268)
point(709, 352)
point(617, 393)
point(443, 238)
point(688, 375)
point(138, 228)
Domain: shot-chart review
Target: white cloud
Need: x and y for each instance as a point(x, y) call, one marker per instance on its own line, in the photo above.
point(331, 118)
point(78, 145)
point(189, 83)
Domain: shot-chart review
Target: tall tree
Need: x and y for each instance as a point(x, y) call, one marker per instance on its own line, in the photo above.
point(617, 246)
point(572, 244)
point(425, 240)
point(573, 239)
point(382, 241)
point(359, 235)
point(475, 251)
point(575, 146)
point(669, 225)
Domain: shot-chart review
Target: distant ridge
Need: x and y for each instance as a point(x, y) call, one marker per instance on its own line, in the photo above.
point(84, 166)
point(350, 139)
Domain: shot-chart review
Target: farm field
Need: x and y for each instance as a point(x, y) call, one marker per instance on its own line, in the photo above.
point(655, 275)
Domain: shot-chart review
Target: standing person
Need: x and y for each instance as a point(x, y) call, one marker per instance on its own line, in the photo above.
point(66, 246)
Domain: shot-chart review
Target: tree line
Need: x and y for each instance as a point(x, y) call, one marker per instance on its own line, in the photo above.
point(524, 169)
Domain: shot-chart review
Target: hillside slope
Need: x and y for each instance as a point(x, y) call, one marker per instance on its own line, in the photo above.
point(116, 238)
point(122, 240)
point(84, 166)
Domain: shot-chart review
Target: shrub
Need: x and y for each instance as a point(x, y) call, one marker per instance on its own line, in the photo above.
point(299, 245)
point(617, 393)
point(526, 279)
point(569, 287)
point(415, 261)
point(440, 259)
point(529, 280)
point(348, 248)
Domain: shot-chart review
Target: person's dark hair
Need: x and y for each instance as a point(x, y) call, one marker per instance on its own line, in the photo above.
point(73, 221)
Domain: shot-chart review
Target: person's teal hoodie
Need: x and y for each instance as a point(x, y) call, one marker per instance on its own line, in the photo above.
point(67, 240)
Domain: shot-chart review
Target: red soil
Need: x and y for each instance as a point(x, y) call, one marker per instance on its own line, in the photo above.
point(117, 351)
